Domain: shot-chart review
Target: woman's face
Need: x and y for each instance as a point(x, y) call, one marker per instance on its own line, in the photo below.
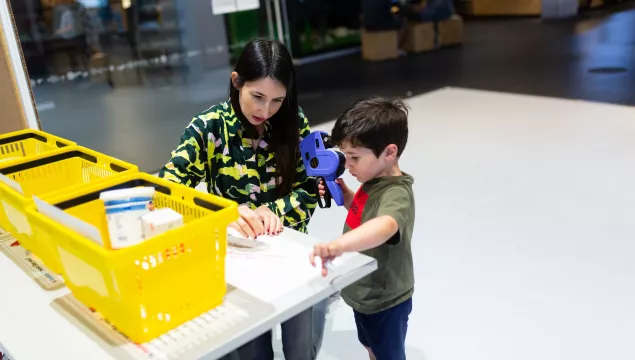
point(260, 99)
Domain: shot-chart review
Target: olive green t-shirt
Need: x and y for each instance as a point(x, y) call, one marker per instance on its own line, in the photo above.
point(393, 281)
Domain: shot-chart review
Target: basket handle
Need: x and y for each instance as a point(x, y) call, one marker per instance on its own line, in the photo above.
point(208, 205)
point(60, 144)
point(117, 168)
point(50, 139)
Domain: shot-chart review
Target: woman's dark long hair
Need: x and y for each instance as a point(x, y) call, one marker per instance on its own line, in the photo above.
point(268, 58)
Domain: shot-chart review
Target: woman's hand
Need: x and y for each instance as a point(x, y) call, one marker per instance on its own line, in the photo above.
point(249, 223)
point(253, 223)
point(272, 223)
point(348, 193)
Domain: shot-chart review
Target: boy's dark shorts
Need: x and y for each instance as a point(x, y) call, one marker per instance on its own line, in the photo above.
point(385, 332)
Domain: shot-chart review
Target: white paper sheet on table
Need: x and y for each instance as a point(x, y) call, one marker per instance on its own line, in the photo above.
point(285, 263)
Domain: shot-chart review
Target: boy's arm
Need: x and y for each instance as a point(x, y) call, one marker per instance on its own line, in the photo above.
point(392, 215)
point(369, 235)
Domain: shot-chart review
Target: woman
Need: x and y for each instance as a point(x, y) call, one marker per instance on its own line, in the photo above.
point(247, 151)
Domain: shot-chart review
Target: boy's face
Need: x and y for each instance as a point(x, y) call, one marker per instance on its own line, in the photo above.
point(362, 163)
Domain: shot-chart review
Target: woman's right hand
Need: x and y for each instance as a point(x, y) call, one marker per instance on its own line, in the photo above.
point(249, 223)
point(348, 193)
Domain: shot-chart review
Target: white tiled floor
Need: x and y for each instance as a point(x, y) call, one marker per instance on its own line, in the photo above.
point(524, 241)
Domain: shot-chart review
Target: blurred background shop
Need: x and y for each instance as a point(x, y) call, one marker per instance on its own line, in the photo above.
point(126, 76)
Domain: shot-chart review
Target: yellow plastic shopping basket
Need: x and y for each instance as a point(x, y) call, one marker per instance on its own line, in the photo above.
point(24, 143)
point(46, 175)
point(151, 288)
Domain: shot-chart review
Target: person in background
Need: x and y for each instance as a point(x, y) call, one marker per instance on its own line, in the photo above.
point(246, 149)
point(383, 15)
point(429, 10)
point(109, 16)
point(377, 15)
point(74, 21)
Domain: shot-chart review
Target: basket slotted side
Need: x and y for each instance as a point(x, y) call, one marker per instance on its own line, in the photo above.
point(45, 176)
point(21, 144)
point(151, 288)
point(62, 171)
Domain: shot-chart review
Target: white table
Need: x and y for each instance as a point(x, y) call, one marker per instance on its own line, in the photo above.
point(37, 323)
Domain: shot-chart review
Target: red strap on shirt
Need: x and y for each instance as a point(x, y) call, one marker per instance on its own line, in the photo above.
point(354, 218)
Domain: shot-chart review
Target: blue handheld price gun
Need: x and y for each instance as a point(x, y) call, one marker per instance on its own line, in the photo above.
point(325, 164)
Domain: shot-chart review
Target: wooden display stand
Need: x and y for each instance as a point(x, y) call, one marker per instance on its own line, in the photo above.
point(419, 37)
point(504, 7)
point(380, 45)
point(12, 117)
point(451, 31)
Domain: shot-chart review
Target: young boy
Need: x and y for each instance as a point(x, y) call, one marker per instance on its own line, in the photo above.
point(373, 133)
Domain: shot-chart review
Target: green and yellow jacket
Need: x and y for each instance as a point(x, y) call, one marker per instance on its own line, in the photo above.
point(213, 149)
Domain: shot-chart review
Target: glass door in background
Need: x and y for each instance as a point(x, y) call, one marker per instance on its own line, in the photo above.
point(269, 21)
point(307, 27)
point(323, 26)
point(124, 77)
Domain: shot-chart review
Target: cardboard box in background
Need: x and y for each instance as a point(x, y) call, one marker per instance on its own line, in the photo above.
point(504, 7)
point(419, 37)
point(380, 45)
point(451, 31)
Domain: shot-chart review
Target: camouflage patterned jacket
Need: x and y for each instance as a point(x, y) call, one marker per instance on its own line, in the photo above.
point(213, 148)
